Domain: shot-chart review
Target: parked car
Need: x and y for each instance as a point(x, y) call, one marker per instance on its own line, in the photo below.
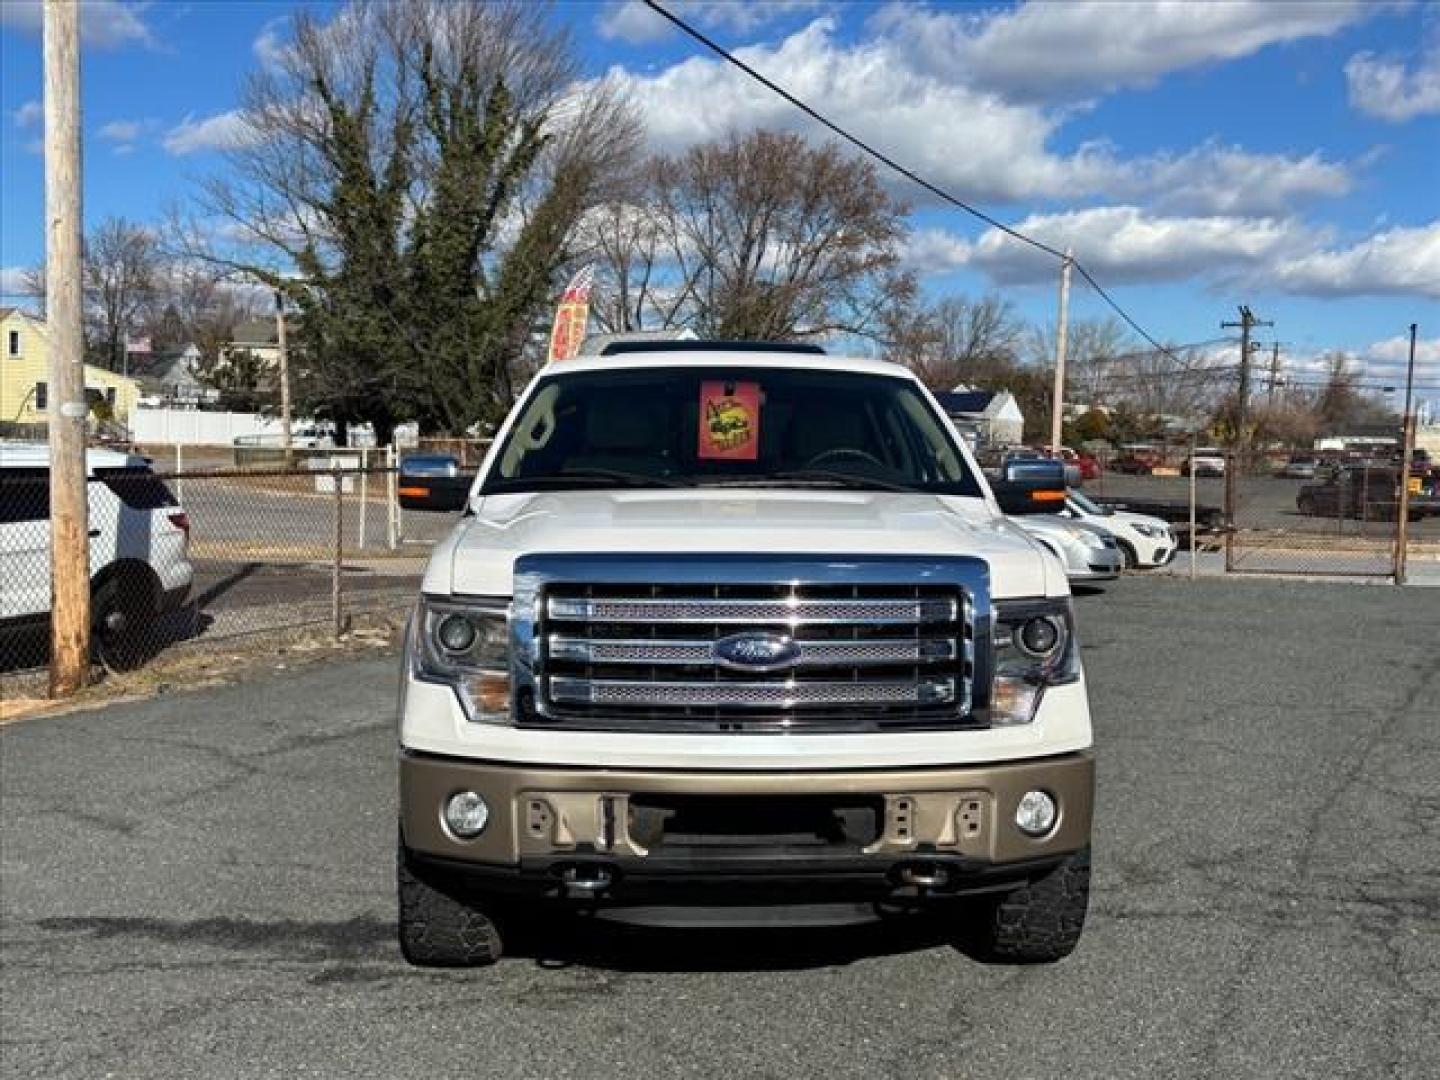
point(139, 547)
point(1208, 461)
point(1369, 492)
point(1299, 467)
point(1090, 467)
point(1135, 462)
point(1087, 553)
point(1144, 542)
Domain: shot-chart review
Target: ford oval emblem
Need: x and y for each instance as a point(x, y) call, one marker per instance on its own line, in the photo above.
point(756, 651)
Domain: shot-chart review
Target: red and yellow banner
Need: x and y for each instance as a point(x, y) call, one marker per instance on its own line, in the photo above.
point(572, 316)
point(729, 421)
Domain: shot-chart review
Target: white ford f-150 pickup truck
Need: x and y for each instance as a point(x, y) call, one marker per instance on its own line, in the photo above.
point(737, 633)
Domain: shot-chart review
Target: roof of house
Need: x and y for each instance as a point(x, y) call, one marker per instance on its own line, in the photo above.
point(965, 401)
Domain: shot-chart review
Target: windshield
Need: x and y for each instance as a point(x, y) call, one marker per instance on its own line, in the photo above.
point(728, 427)
point(1086, 506)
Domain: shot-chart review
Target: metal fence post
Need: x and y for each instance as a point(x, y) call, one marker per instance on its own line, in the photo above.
point(338, 551)
point(1230, 463)
point(179, 473)
point(364, 491)
point(392, 509)
point(1402, 498)
point(1193, 439)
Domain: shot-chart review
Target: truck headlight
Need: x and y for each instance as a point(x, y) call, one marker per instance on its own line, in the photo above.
point(1034, 644)
point(467, 645)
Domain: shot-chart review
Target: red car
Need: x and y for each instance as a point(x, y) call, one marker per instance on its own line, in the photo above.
point(1138, 463)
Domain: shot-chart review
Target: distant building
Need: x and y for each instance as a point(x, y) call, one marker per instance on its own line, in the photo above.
point(257, 337)
point(25, 396)
point(168, 378)
point(985, 417)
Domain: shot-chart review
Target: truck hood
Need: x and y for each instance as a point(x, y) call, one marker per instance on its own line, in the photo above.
point(479, 555)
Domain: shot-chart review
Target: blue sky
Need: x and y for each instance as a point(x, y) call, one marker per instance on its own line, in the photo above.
point(1196, 156)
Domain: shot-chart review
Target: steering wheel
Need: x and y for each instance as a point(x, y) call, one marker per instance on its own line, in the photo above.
point(844, 451)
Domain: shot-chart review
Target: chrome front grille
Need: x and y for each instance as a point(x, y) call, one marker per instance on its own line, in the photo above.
point(860, 655)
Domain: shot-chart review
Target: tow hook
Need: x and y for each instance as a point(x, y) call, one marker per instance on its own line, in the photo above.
point(586, 879)
point(924, 875)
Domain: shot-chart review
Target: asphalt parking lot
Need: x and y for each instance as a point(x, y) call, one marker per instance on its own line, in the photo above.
point(200, 885)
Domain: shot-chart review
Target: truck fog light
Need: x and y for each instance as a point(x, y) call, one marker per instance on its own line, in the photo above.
point(1035, 816)
point(466, 814)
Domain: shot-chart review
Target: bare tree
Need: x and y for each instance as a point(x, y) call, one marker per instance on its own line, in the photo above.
point(121, 268)
point(756, 236)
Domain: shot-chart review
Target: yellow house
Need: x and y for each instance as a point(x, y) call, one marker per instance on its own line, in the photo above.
point(25, 396)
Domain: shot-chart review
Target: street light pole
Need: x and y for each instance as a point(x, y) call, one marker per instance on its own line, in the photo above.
point(1407, 453)
point(1057, 399)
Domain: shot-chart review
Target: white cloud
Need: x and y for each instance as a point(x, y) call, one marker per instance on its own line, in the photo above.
point(120, 131)
point(1215, 179)
point(30, 114)
point(1124, 244)
point(223, 131)
point(1387, 88)
point(981, 145)
point(1120, 244)
point(633, 22)
point(1056, 52)
point(104, 24)
point(269, 46)
point(12, 282)
point(973, 142)
point(1400, 260)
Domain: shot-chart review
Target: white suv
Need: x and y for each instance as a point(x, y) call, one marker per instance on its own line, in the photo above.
point(737, 634)
point(139, 546)
point(1145, 542)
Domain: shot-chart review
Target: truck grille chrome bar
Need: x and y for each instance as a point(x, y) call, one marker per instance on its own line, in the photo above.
point(792, 610)
point(750, 644)
point(811, 653)
point(748, 695)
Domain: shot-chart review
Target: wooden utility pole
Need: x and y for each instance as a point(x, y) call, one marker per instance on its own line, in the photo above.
point(284, 373)
point(1062, 329)
point(1274, 374)
point(69, 517)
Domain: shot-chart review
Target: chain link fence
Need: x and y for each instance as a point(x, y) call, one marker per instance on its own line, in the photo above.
point(1331, 518)
point(203, 558)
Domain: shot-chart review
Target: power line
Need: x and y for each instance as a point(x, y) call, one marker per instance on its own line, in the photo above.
point(909, 174)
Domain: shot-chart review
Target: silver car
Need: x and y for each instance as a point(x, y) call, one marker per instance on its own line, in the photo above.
point(1088, 553)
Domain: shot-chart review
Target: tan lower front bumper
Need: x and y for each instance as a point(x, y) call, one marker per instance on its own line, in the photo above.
point(543, 813)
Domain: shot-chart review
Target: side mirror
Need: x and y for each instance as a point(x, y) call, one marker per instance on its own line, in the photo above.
point(433, 482)
point(1031, 487)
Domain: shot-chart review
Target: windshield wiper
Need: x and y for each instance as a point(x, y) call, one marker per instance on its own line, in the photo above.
point(588, 477)
point(818, 476)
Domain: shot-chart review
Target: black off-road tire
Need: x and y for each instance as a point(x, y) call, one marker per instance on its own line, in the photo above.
point(439, 926)
point(1041, 922)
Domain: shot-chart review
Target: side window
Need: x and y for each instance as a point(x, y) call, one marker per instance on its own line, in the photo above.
point(12, 347)
point(42, 396)
point(24, 495)
point(139, 489)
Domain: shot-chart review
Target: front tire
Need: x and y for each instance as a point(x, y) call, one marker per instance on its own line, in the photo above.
point(1128, 556)
point(1040, 922)
point(439, 928)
